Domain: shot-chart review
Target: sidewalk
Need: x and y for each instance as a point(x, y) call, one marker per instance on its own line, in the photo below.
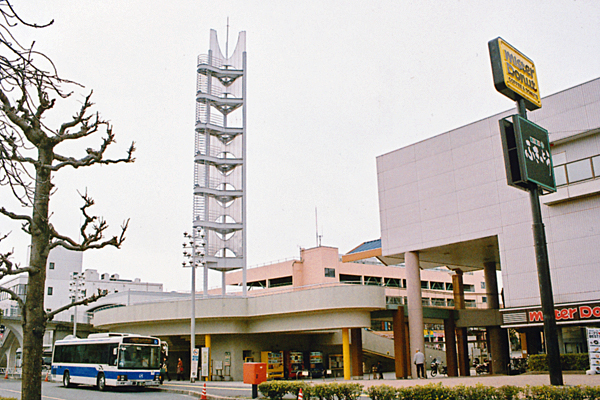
point(195, 389)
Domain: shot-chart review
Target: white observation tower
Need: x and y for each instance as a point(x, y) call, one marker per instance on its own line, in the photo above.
point(220, 158)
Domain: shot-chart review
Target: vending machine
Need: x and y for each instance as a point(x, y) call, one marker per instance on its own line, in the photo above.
point(274, 361)
point(294, 364)
point(316, 368)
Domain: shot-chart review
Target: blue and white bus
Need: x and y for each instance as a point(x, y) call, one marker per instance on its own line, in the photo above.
point(107, 359)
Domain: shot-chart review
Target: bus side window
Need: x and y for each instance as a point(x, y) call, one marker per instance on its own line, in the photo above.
point(112, 354)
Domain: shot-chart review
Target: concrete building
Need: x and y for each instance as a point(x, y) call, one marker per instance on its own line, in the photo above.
point(445, 200)
point(315, 303)
point(62, 266)
point(323, 266)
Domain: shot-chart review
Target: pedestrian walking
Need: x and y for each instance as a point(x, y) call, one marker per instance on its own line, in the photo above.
point(420, 363)
point(380, 369)
point(180, 370)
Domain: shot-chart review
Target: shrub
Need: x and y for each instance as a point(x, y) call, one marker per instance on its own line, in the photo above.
point(324, 391)
point(591, 392)
point(382, 392)
point(431, 392)
point(295, 386)
point(480, 392)
point(549, 393)
point(348, 391)
point(507, 392)
point(274, 390)
point(569, 362)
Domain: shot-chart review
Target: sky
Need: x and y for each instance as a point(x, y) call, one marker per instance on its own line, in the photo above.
point(331, 85)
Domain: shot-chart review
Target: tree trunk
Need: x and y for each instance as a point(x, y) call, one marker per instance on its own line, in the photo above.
point(34, 316)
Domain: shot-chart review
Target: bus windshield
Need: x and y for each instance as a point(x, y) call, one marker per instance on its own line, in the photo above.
point(133, 356)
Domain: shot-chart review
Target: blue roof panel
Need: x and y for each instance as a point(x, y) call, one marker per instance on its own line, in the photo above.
point(366, 246)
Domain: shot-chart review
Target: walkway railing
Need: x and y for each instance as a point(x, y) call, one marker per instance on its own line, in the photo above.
point(14, 373)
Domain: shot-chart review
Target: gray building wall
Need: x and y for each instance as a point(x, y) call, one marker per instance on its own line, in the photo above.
point(452, 188)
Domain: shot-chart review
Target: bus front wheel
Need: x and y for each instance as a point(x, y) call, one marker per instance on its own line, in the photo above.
point(101, 382)
point(66, 379)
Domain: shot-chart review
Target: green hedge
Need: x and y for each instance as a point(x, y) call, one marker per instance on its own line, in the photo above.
point(275, 390)
point(480, 392)
point(569, 362)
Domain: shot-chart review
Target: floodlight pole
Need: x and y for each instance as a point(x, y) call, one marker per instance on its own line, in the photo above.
point(544, 280)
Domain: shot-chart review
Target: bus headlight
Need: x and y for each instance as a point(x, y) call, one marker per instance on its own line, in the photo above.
point(121, 378)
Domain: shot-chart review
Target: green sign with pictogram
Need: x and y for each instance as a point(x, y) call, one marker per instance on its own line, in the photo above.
point(527, 155)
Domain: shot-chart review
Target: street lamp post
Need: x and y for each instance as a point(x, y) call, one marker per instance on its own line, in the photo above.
point(193, 250)
point(75, 294)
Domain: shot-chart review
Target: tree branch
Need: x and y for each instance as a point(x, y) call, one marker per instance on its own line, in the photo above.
point(86, 301)
point(94, 156)
point(14, 216)
point(7, 267)
point(14, 297)
point(91, 231)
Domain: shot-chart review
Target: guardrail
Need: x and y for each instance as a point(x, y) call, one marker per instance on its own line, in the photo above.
point(10, 373)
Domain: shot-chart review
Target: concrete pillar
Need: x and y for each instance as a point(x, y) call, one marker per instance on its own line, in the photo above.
point(356, 351)
point(11, 358)
point(415, 306)
point(561, 341)
point(400, 356)
point(498, 337)
point(464, 369)
point(207, 345)
point(451, 357)
point(346, 354)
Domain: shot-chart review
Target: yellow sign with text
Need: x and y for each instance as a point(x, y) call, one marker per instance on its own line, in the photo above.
point(515, 74)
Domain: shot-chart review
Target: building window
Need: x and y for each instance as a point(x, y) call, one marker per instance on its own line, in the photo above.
point(469, 288)
point(560, 175)
point(372, 280)
point(484, 299)
point(393, 300)
point(437, 285)
point(51, 265)
point(470, 303)
point(576, 171)
point(483, 285)
point(355, 279)
point(579, 171)
point(449, 286)
point(438, 302)
point(424, 285)
point(285, 281)
point(255, 284)
point(450, 302)
point(329, 272)
point(425, 301)
point(596, 165)
point(50, 290)
point(393, 282)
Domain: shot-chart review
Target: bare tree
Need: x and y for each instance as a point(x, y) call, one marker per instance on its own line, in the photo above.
point(29, 88)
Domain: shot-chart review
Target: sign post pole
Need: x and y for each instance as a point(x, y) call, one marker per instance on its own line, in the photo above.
point(515, 76)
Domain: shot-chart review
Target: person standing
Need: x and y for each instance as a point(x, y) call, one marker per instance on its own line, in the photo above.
point(420, 363)
point(164, 371)
point(380, 369)
point(180, 370)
